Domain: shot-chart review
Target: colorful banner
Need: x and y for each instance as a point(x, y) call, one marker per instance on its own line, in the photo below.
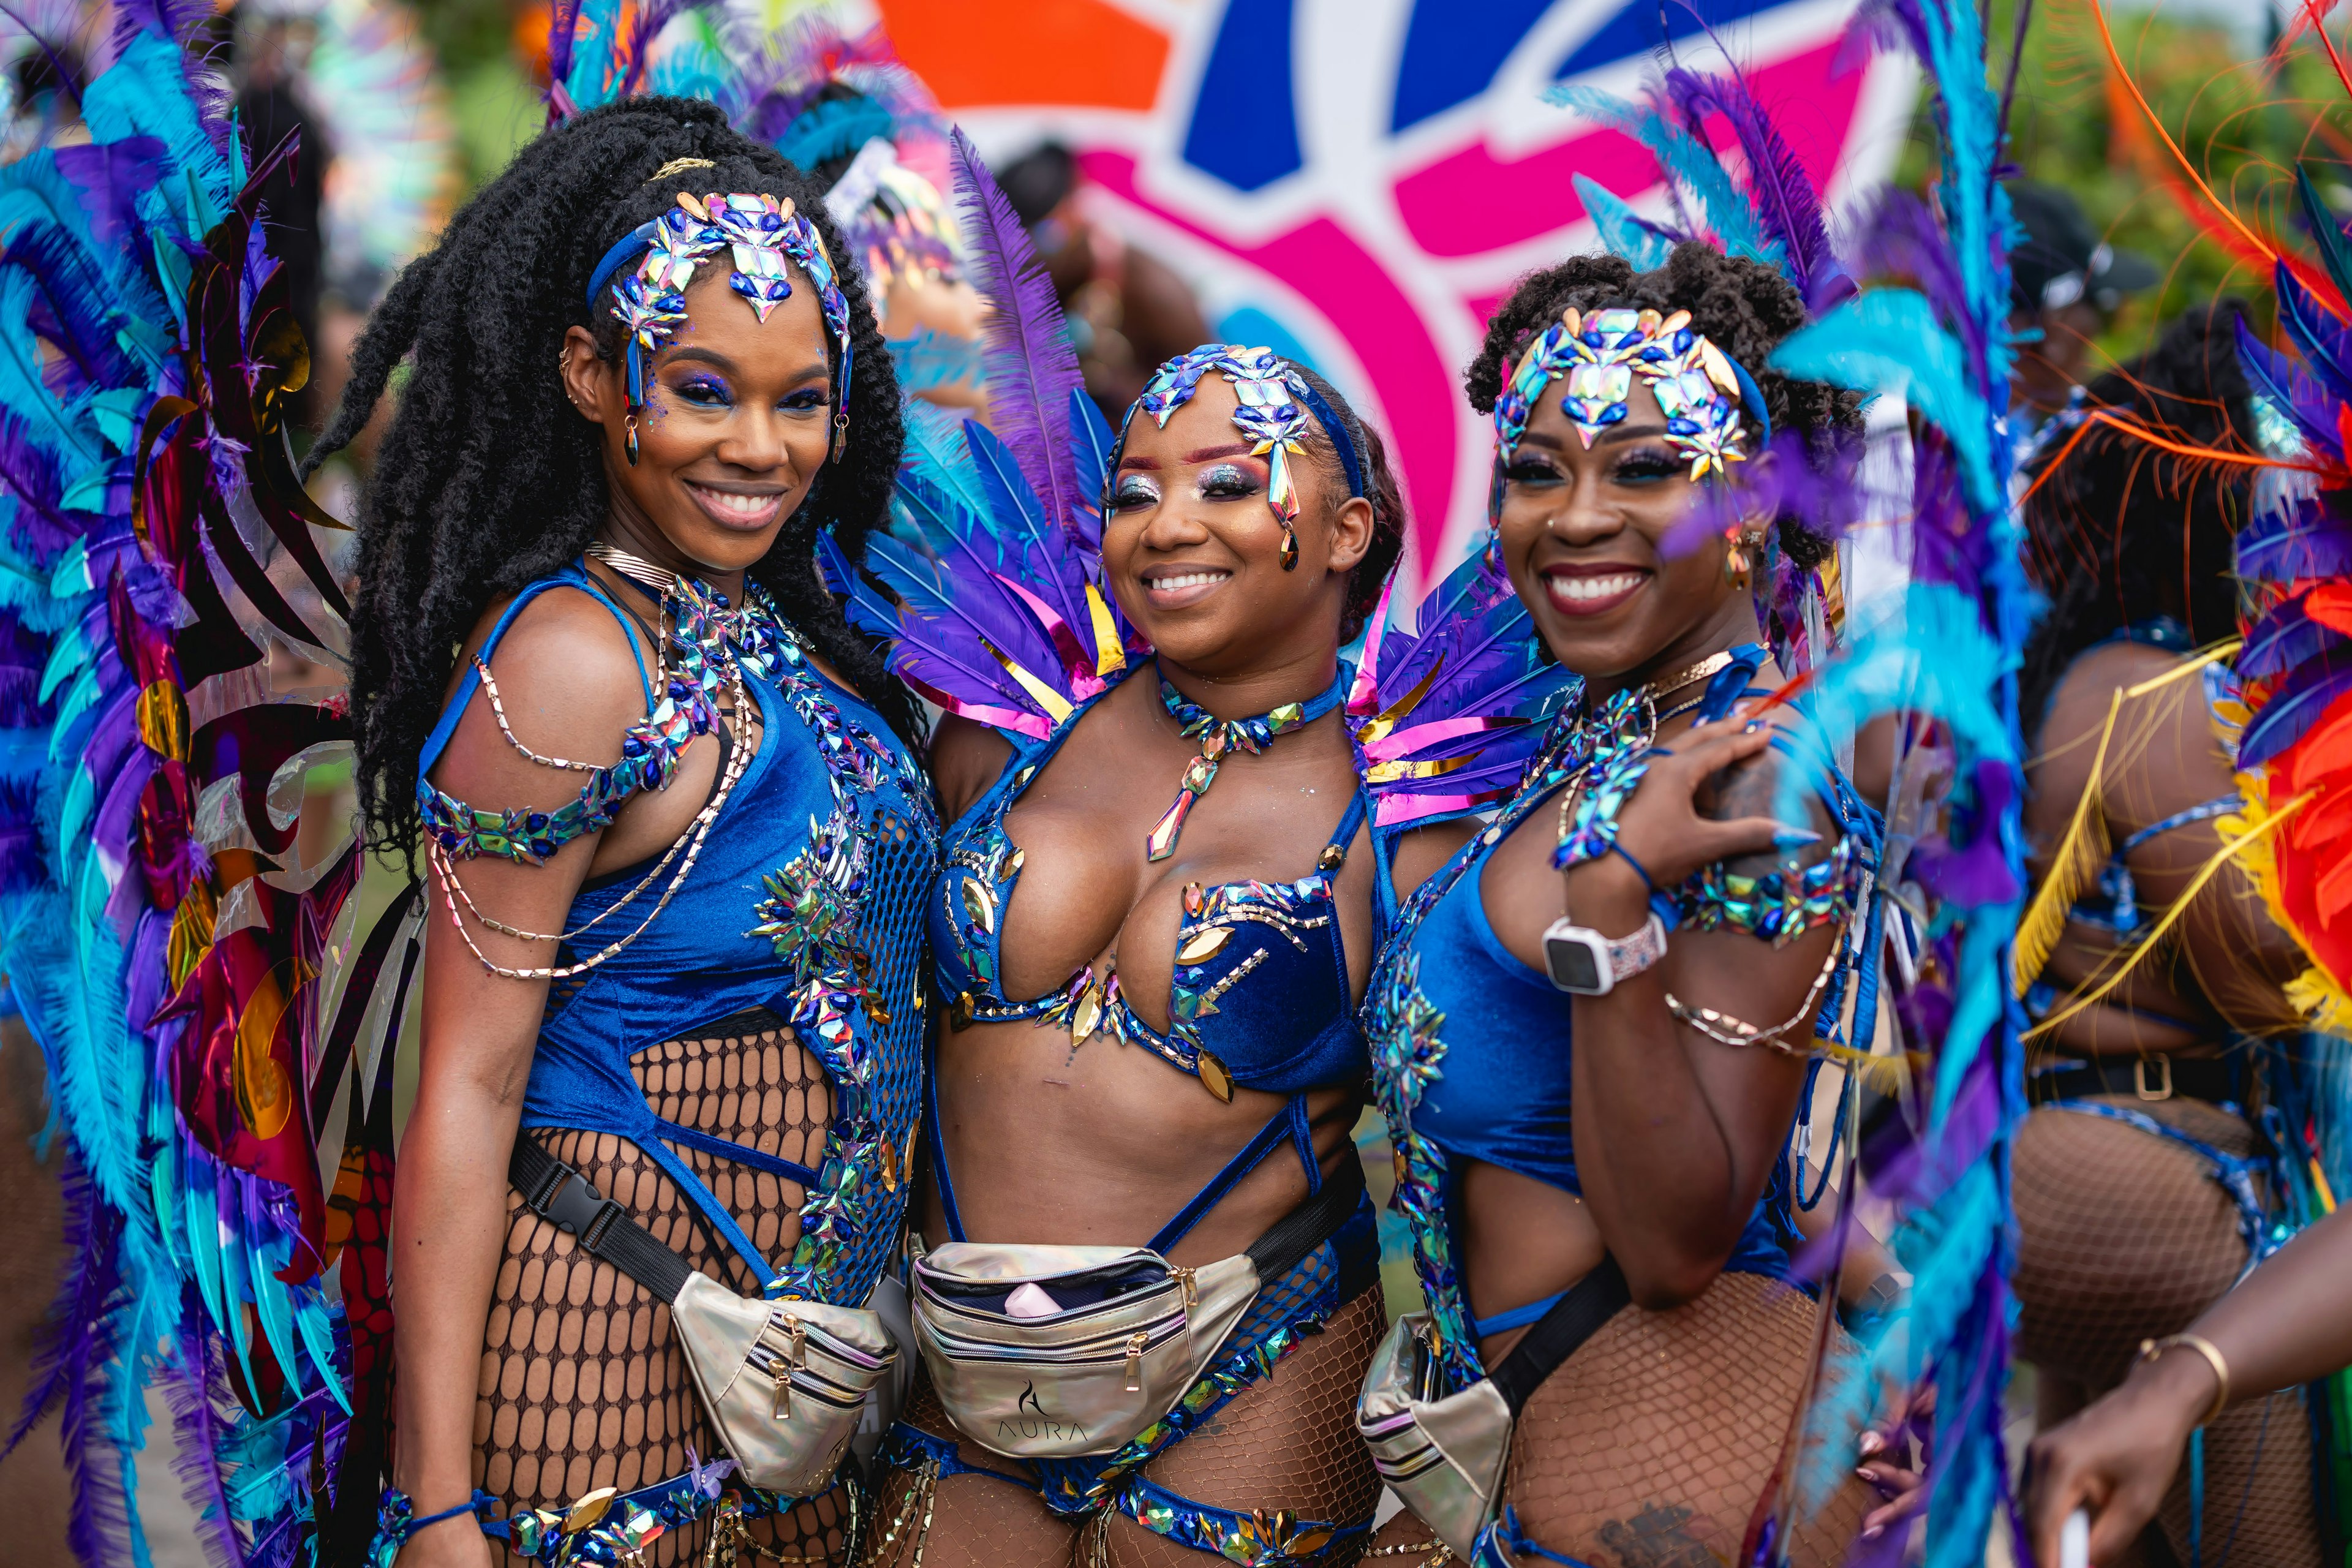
point(1358, 182)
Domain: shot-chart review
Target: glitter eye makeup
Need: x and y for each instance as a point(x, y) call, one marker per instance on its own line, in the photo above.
point(1225, 480)
point(1134, 490)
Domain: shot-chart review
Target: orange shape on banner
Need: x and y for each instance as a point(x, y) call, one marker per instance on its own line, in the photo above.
point(1072, 53)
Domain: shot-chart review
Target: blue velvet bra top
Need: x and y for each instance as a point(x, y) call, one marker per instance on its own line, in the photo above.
point(1260, 997)
point(1471, 1047)
point(814, 865)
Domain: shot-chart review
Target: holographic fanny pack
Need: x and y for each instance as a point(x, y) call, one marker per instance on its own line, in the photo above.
point(1058, 1351)
point(1443, 1454)
point(786, 1383)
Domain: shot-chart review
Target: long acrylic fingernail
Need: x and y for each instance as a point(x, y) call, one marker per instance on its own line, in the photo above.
point(1871, 1442)
point(1794, 838)
point(1874, 1532)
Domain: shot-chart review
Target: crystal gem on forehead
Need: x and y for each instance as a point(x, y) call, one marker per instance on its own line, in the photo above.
point(754, 228)
point(1595, 396)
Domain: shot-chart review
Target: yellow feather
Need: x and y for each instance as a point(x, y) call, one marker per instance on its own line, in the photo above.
point(2115, 974)
point(2073, 865)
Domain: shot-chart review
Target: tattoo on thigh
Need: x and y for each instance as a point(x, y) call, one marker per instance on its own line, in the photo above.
point(1659, 1537)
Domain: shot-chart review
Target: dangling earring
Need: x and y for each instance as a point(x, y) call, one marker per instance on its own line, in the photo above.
point(629, 443)
point(1736, 563)
point(1289, 556)
point(1494, 549)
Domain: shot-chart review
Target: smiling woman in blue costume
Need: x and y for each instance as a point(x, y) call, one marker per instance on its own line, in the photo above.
point(641, 390)
point(1114, 1071)
point(1619, 1281)
point(1144, 1278)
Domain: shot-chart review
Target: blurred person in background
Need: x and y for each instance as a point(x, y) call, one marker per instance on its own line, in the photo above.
point(2118, 1460)
point(2152, 1173)
point(1128, 309)
point(2065, 285)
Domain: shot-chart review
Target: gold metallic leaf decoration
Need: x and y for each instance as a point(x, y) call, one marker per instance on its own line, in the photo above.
point(1213, 1075)
point(1202, 945)
point(164, 720)
point(588, 1511)
point(265, 1098)
point(978, 903)
point(1087, 1017)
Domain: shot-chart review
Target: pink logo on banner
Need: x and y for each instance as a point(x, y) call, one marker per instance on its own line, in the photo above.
point(1361, 181)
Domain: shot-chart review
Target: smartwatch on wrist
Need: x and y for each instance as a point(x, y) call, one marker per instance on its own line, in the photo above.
point(1583, 963)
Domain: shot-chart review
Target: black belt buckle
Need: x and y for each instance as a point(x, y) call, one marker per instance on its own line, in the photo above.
point(573, 1204)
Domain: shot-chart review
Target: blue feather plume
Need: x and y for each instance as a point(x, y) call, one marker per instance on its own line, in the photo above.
point(1688, 161)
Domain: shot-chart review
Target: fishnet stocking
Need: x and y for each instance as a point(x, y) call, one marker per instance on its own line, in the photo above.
point(1651, 1446)
point(580, 1386)
point(2124, 1237)
point(2257, 1489)
point(975, 1521)
point(1288, 1441)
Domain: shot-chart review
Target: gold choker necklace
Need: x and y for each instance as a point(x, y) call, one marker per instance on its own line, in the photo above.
point(636, 568)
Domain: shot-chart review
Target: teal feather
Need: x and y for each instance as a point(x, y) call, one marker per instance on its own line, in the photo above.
point(144, 93)
point(937, 453)
point(201, 1234)
point(1622, 230)
point(270, 1307)
point(1933, 656)
point(927, 360)
point(1889, 339)
point(1688, 161)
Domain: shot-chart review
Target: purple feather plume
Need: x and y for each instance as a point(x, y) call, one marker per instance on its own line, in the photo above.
point(1032, 369)
point(1786, 202)
point(196, 1429)
point(2308, 538)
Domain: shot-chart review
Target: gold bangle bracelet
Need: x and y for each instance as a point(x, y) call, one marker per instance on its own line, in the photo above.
point(2149, 1350)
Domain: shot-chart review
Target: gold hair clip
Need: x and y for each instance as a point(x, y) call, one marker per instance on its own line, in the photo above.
point(678, 167)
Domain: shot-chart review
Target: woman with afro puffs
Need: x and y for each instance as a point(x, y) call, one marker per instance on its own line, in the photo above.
point(1632, 936)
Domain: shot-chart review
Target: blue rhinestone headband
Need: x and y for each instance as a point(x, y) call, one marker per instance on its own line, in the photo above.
point(1275, 402)
point(1701, 390)
point(763, 233)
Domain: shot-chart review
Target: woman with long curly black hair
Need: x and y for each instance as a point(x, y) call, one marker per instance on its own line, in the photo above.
point(674, 837)
point(1618, 1279)
point(2155, 1064)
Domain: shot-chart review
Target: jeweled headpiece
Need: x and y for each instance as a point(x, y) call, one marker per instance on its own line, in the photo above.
point(762, 233)
point(1275, 403)
point(1701, 390)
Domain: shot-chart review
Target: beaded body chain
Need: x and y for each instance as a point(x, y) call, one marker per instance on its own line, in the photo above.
point(700, 654)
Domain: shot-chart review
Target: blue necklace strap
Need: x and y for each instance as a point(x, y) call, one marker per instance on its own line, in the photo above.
point(1218, 737)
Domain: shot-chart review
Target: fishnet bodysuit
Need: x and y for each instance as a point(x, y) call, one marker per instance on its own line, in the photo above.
point(1287, 1441)
point(2124, 1236)
point(582, 1386)
point(1650, 1447)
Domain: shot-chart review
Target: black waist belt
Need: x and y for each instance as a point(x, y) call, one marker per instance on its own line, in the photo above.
point(564, 1199)
point(1310, 1225)
point(1560, 1334)
point(2152, 1078)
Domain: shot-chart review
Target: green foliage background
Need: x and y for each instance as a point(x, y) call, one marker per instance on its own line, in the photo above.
point(2243, 122)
